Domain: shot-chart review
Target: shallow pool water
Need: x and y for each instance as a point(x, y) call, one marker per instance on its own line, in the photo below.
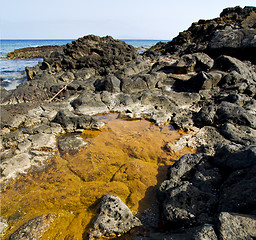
point(127, 159)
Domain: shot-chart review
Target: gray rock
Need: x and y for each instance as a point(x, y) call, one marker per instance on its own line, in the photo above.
point(71, 144)
point(71, 122)
point(193, 62)
point(12, 139)
point(43, 141)
point(229, 64)
point(205, 232)
point(33, 229)
point(238, 134)
point(186, 205)
point(206, 116)
point(114, 218)
point(183, 166)
point(237, 226)
point(49, 128)
point(203, 81)
point(235, 42)
point(243, 158)
point(3, 225)
point(14, 165)
point(233, 113)
point(238, 192)
point(90, 104)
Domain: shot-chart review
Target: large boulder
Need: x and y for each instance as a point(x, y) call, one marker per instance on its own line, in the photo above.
point(114, 218)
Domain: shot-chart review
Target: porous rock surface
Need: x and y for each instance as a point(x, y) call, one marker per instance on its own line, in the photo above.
point(114, 218)
point(203, 82)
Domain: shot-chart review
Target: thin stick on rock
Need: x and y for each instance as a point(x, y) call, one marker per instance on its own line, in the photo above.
point(60, 91)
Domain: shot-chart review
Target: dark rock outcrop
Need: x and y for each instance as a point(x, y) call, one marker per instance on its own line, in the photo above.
point(232, 34)
point(34, 52)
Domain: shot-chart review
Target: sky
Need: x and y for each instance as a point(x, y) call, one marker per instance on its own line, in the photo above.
point(129, 19)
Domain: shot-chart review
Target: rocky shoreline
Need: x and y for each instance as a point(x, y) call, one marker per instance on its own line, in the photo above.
point(203, 83)
point(33, 52)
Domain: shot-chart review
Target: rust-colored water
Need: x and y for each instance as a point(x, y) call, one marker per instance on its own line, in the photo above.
point(126, 159)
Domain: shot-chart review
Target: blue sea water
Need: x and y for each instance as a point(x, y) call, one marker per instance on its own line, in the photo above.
point(12, 72)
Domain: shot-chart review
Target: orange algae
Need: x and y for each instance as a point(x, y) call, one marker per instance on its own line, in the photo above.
point(127, 159)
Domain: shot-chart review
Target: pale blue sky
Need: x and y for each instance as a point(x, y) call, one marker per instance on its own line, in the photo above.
point(130, 19)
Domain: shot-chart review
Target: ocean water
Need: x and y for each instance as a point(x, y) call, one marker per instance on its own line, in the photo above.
point(12, 72)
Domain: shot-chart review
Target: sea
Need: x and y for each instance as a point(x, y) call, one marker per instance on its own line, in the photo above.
point(12, 72)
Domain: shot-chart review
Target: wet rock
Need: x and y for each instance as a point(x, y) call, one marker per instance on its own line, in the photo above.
point(237, 226)
point(71, 144)
point(71, 122)
point(114, 218)
point(3, 225)
point(33, 229)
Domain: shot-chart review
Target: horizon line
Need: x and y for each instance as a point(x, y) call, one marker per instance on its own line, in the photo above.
point(145, 39)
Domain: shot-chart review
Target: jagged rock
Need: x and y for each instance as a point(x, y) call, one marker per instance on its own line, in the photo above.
point(205, 232)
point(90, 104)
point(244, 158)
point(203, 81)
point(230, 64)
point(237, 226)
point(184, 165)
point(109, 83)
point(71, 122)
point(193, 62)
point(214, 36)
point(229, 112)
point(238, 134)
point(13, 139)
point(114, 218)
point(238, 192)
point(33, 229)
point(206, 116)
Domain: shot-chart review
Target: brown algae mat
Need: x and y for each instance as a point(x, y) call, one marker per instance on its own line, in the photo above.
point(126, 159)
